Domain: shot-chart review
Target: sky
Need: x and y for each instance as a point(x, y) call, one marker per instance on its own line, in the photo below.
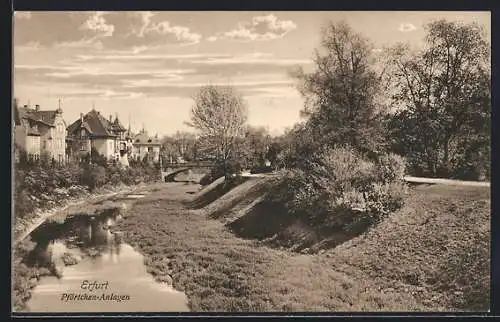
point(145, 66)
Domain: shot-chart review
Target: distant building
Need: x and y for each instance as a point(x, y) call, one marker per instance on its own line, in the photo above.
point(93, 130)
point(37, 132)
point(145, 145)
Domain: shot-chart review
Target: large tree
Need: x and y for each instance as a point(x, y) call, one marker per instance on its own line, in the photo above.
point(219, 114)
point(444, 94)
point(254, 145)
point(341, 93)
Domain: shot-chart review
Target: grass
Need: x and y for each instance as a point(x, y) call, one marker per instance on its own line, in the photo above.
point(413, 261)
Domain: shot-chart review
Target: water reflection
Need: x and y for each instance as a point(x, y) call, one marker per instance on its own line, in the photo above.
point(85, 247)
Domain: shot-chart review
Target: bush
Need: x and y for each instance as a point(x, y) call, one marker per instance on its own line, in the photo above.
point(222, 168)
point(340, 181)
point(93, 176)
point(41, 185)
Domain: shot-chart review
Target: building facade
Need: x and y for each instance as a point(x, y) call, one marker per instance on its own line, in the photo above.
point(144, 146)
point(93, 130)
point(38, 132)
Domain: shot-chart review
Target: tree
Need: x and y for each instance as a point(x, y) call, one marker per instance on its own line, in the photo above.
point(341, 94)
point(444, 93)
point(185, 144)
point(219, 114)
point(98, 158)
point(169, 150)
point(254, 145)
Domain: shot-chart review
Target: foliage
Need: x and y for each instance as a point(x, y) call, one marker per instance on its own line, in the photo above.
point(342, 93)
point(444, 96)
point(180, 145)
point(98, 158)
point(253, 147)
point(40, 185)
point(219, 114)
point(93, 176)
point(339, 182)
point(222, 168)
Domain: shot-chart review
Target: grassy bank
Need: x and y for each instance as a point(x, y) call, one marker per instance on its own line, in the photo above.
point(373, 272)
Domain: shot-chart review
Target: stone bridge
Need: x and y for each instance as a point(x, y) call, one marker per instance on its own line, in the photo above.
point(169, 174)
point(174, 169)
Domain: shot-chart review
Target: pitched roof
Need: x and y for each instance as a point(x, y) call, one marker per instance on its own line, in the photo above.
point(97, 125)
point(45, 117)
point(117, 126)
point(143, 138)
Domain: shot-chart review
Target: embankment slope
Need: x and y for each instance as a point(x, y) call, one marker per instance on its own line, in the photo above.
point(431, 255)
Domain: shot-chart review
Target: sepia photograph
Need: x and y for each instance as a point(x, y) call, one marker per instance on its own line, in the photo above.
point(251, 161)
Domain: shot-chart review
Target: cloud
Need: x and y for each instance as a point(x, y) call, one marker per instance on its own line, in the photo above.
point(97, 23)
point(160, 75)
point(151, 28)
point(259, 28)
point(22, 15)
point(64, 30)
point(407, 27)
point(254, 58)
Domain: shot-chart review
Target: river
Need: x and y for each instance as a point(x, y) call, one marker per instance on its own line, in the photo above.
point(94, 270)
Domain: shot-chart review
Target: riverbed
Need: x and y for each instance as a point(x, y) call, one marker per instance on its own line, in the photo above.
point(93, 270)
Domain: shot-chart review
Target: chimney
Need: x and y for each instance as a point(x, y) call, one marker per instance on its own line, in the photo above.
point(37, 107)
point(110, 118)
point(81, 117)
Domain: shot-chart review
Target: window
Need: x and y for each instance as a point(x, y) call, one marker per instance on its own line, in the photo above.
point(150, 149)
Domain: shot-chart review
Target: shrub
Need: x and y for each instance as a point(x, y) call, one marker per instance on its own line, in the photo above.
point(339, 181)
point(391, 167)
point(114, 175)
point(222, 168)
point(23, 203)
point(93, 176)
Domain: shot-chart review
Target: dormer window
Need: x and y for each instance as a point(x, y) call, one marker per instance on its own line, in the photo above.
point(149, 141)
point(82, 133)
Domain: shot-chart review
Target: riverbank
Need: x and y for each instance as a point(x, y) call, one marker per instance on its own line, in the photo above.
point(24, 225)
point(399, 266)
point(25, 278)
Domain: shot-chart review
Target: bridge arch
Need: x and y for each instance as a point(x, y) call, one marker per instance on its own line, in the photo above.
point(169, 176)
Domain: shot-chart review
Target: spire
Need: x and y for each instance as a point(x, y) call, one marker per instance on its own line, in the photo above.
point(129, 130)
point(59, 109)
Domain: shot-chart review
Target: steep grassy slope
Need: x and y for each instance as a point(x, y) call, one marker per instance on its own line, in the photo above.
point(431, 255)
point(440, 241)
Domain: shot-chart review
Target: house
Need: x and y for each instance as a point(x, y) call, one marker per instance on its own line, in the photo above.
point(93, 130)
point(145, 145)
point(37, 132)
